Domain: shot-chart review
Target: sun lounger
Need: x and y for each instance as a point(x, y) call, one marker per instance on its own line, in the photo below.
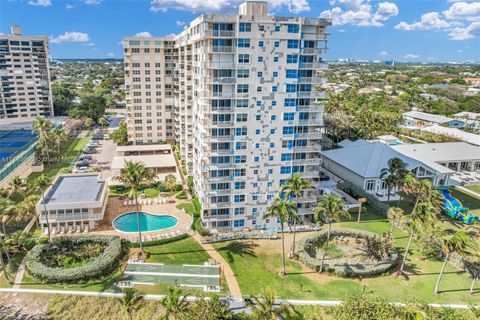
point(125, 203)
point(78, 229)
point(69, 229)
point(62, 230)
point(85, 229)
point(45, 231)
point(53, 230)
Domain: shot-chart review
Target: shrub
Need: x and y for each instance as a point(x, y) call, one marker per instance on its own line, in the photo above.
point(158, 241)
point(103, 264)
point(181, 196)
point(198, 227)
point(178, 187)
point(307, 247)
point(355, 210)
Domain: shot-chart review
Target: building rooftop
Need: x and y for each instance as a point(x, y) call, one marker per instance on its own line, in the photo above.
point(75, 188)
point(144, 147)
point(440, 152)
point(468, 115)
point(150, 161)
point(455, 133)
point(436, 118)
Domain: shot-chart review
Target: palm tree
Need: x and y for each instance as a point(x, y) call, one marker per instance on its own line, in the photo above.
point(40, 184)
point(295, 186)
point(133, 176)
point(264, 307)
point(130, 300)
point(457, 242)
point(16, 185)
point(102, 121)
point(7, 207)
point(88, 122)
point(59, 136)
point(42, 127)
point(27, 208)
point(331, 208)
point(422, 215)
point(393, 174)
point(174, 303)
point(4, 266)
point(281, 210)
point(422, 190)
point(170, 182)
point(394, 214)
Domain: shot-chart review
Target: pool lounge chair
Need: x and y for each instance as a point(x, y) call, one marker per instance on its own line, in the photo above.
point(53, 230)
point(45, 231)
point(85, 228)
point(78, 229)
point(69, 229)
point(62, 229)
point(125, 203)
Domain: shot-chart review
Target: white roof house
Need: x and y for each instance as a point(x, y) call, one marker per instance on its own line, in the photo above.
point(440, 152)
point(422, 119)
point(455, 133)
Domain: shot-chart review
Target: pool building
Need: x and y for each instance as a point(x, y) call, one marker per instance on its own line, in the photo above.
point(75, 203)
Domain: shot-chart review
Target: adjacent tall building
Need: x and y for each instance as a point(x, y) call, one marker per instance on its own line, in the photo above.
point(238, 94)
point(24, 76)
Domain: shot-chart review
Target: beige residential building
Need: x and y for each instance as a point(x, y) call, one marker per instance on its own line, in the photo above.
point(24, 76)
point(247, 113)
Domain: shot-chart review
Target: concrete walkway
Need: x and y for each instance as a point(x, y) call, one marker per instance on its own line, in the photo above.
point(470, 192)
point(20, 273)
point(227, 271)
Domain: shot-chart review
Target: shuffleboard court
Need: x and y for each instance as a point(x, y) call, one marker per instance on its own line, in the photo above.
point(205, 276)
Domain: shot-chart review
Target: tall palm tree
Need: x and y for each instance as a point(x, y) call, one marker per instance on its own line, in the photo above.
point(422, 191)
point(130, 300)
point(264, 306)
point(457, 242)
point(40, 184)
point(419, 219)
point(174, 303)
point(295, 186)
point(102, 122)
point(394, 214)
point(16, 185)
point(4, 265)
point(42, 127)
point(27, 208)
point(331, 208)
point(133, 176)
point(7, 207)
point(393, 174)
point(88, 122)
point(281, 210)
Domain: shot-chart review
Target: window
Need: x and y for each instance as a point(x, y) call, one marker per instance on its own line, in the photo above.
point(260, 59)
point(293, 28)
point(290, 102)
point(285, 170)
point(277, 44)
point(239, 198)
point(256, 159)
point(244, 58)
point(275, 74)
point(277, 28)
point(240, 159)
point(292, 44)
point(272, 131)
point(290, 87)
point(242, 117)
point(288, 116)
point(243, 73)
point(241, 145)
point(257, 117)
point(242, 88)
point(239, 185)
point(288, 130)
point(273, 117)
point(240, 131)
point(261, 28)
point(245, 27)
point(242, 103)
point(286, 157)
point(275, 59)
point(243, 43)
point(274, 89)
point(370, 185)
point(260, 43)
point(238, 211)
point(292, 58)
point(238, 223)
point(291, 73)
point(259, 74)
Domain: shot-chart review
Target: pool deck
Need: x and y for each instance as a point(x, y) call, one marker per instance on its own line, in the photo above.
point(115, 208)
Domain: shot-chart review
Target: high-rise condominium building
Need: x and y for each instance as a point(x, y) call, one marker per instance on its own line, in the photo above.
point(239, 94)
point(24, 76)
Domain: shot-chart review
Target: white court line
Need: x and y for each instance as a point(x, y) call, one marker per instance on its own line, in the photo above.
point(172, 274)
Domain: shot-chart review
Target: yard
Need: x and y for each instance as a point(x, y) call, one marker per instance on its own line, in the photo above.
point(257, 264)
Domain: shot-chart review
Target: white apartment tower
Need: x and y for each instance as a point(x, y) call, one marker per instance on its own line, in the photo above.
point(24, 76)
point(246, 110)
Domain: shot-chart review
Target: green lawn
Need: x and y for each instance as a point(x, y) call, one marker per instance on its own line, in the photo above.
point(468, 200)
point(474, 188)
point(257, 264)
point(186, 251)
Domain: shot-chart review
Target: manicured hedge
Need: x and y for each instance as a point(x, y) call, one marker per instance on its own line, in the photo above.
point(102, 265)
point(157, 241)
point(307, 247)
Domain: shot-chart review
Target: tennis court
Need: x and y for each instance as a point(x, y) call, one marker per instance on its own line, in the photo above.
point(204, 276)
point(12, 143)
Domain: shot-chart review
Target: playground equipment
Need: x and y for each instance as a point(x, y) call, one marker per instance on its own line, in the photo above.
point(453, 207)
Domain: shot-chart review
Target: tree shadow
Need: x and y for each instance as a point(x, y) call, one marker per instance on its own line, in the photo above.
point(173, 252)
point(241, 248)
point(475, 290)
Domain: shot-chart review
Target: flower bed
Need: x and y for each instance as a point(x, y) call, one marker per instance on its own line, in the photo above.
point(308, 246)
point(109, 251)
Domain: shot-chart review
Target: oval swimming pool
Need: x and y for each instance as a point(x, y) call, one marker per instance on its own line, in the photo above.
point(127, 222)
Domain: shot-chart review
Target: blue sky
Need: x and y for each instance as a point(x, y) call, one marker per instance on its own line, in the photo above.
point(408, 30)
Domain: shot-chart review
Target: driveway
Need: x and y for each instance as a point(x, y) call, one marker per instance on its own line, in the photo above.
point(106, 151)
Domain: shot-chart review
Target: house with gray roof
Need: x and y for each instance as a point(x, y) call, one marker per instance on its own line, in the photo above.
point(74, 203)
point(417, 119)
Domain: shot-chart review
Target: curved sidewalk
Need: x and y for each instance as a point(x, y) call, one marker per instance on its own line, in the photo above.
point(227, 271)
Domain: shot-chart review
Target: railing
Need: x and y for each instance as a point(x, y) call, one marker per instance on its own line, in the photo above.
point(311, 135)
point(313, 50)
point(306, 162)
point(13, 164)
point(220, 49)
point(212, 79)
point(310, 121)
point(68, 217)
point(312, 148)
point(219, 33)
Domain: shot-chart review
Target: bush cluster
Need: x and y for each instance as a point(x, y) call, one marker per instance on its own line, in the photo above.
point(307, 248)
point(157, 241)
point(356, 192)
point(98, 267)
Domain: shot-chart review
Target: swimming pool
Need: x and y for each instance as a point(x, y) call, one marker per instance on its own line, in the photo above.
point(127, 222)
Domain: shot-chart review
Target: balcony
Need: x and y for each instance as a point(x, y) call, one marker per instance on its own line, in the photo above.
point(215, 80)
point(311, 94)
point(309, 135)
point(313, 50)
point(220, 33)
point(219, 65)
point(221, 49)
point(311, 108)
point(311, 122)
point(312, 148)
point(314, 80)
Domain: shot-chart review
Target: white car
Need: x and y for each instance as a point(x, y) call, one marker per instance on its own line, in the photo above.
point(82, 169)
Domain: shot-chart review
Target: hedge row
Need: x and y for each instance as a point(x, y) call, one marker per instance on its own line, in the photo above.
point(307, 247)
point(102, 265)
point(157, 242)
point(356, 192)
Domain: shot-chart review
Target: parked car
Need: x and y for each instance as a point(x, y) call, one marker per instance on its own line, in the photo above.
point(82, 164)
point(82, 169)
point(90, 151)
point(84, 157)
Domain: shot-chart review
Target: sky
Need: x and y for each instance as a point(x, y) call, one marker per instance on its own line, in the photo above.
point(404, 30)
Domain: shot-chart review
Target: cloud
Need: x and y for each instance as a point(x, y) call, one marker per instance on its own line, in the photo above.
point(40, 3)
point(70, 37)
point(143, 34)
point(295, 6)
point(472, 31)
point(92, 1)
point(69, 6)
point(383, 53)
point(411, 56)
point(110, 55)
point(463, 10)
point(428, 21)
point(360, 13)
point(91, 44)
point(180, 23)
